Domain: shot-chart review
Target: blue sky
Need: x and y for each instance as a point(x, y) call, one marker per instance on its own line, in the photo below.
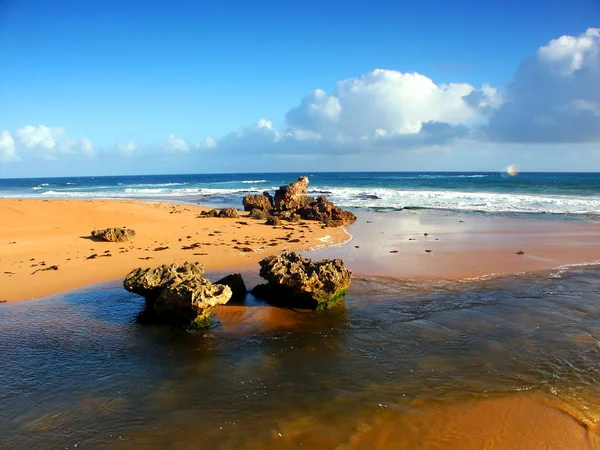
point(152, 81)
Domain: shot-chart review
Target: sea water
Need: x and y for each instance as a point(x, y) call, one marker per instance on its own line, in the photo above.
point(491, 192)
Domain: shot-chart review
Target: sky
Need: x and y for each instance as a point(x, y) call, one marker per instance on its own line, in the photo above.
point(104, 87)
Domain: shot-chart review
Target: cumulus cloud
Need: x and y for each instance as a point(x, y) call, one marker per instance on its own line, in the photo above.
point(554, 96)
point(7, 148)
point(175, 144)
point(127, 148)
point(41, 136)
point(385, 101)
point(81, 146)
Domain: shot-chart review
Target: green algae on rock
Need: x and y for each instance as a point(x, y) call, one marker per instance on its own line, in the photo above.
point(297, 282)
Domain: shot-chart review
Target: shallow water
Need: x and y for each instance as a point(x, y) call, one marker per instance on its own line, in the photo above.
point(397, 367)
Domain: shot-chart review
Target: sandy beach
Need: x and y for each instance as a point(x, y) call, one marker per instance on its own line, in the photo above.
point(37, 234)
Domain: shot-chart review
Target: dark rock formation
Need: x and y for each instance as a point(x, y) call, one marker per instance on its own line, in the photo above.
point(322, 209)
point(211, 213)
point(258, 214)
point(262, 202)
point(292, 204)
point(273, 220)
point(292, 196)
point(295, 281)
point(113, 234)
point(177, 295)
point(236, 284)
point(230, 213)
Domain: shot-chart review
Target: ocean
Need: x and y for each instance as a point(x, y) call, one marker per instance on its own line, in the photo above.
point(487, 192)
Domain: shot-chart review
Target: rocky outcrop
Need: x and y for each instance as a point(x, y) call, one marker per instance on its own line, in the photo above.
point(324, 210)
point(263, 202)
point(295, 281)
point(113, 234)
point(236, 284)
point(177, 294)
point(258, 214)
point(229, 213)
point(273, 220)
point(211, 213)
point(292, 196)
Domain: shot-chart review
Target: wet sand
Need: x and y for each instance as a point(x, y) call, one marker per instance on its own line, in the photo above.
point(441, 245)
point(37, 234)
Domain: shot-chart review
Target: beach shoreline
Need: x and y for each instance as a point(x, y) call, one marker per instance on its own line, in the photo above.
point(420, 245)
point(40, 234)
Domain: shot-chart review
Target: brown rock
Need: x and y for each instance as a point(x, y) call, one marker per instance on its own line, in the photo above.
point(295, 281)
point(258, 214)
point(292, 196)
point(113, 234)
point(230, 213)
point(263, 202)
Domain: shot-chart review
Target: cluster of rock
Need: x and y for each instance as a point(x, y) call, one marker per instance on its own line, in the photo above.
point(292, 203)
point(113, 234)
point(227, 213)
point(178, 295)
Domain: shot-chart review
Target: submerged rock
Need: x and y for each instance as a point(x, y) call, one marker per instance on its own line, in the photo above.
point(295, 281)
point(177, 294)
point(113, 234)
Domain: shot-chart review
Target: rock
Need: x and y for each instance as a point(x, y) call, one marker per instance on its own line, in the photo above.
point(520, 252)
point(230, 213)
point(150, 282)
point(236, 284)
point(211, 213)
point(177, 295)
point(322, 209)
point(273, 220)
point(113, 234)
point(263, 202)
point(190, 304)
point(292, 196)
point(295, 281)
point(258, 214)
point(333, 223)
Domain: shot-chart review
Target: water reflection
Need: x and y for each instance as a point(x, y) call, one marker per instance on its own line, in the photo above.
point(403, 364)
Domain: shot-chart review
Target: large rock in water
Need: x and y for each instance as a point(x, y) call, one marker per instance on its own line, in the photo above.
point(263, 202)
point(295, 281)
point(113, 234)
point(177, 295)
point(292, 196)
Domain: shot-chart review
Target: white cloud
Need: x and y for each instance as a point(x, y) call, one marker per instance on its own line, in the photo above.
point(127, 148)
point(83, 146)
point(385, 101)
point(175, 144)
point(41, 136)
point(554, 96)
point(209, 142)
point(7, 148)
